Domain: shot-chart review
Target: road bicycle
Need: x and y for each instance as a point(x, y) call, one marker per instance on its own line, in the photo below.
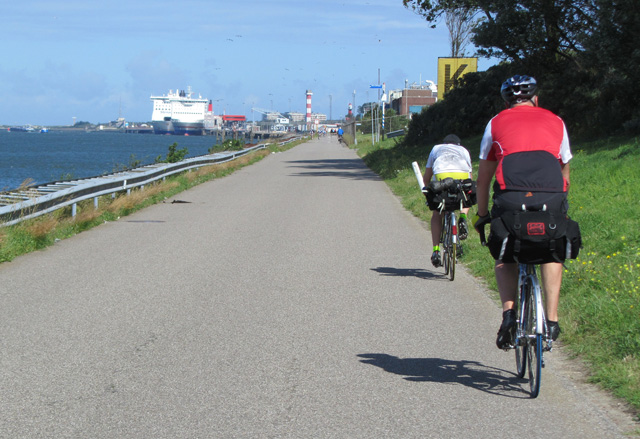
point(447, 196)
point(449, 243)
point(453, 195)
point(532, 335)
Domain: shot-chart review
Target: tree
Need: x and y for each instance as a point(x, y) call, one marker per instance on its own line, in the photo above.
point(460, 24)
point(613, 57)
point(584, 54)
point(532, 32)
point(432, 10)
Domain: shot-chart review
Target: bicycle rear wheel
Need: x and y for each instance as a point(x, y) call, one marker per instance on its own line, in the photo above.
point(522, 340)
point(534, 347)
point(444, 242)
point(452, 258)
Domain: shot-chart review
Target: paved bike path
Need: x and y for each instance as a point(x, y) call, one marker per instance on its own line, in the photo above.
point(292, 299)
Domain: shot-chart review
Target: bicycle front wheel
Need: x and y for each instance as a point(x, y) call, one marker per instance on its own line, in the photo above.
point(534, 358)
point(521, 360)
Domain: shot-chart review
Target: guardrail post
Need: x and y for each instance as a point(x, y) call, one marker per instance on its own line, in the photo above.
point(95, 203)
point(74, 208)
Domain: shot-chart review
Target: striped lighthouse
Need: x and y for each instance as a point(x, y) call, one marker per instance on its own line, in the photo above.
point(309, 94)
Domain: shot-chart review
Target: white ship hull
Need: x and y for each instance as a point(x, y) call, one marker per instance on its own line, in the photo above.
point(188, 128)
point(178, 113)
point(163, 127)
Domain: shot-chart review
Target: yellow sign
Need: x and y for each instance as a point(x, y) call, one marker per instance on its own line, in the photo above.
point(450, 69)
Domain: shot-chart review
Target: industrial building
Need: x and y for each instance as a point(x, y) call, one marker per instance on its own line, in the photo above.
point(413, 98)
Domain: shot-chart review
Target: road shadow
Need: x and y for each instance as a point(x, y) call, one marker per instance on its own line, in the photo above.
point(420, 273)
point(471, 374)
point(354, 169)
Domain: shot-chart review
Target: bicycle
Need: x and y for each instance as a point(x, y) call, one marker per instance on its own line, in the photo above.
point(449, 243)
point(453, 195)
point(532, 335)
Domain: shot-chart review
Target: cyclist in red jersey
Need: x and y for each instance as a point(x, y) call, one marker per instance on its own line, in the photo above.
point(527, 149)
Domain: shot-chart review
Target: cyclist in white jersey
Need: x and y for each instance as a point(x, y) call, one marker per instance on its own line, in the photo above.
point(449, 159)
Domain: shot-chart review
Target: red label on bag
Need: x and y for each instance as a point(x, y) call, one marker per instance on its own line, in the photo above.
point(535, 229)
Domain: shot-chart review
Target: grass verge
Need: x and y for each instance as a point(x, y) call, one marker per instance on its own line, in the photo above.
point(41, 232)
point(600, 299)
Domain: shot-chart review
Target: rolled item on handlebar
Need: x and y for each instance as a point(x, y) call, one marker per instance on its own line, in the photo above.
point(441, 185)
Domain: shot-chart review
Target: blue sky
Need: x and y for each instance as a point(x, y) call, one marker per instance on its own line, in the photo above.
point(95, 60)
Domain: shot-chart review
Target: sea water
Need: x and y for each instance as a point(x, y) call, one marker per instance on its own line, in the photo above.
point(69, 155)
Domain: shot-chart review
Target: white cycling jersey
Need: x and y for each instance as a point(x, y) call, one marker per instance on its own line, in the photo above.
point(449, 157)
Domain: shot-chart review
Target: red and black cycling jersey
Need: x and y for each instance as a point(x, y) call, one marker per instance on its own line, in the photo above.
point(529, 144)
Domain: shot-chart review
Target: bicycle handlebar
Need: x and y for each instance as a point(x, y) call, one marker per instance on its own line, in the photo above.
point(449, 183)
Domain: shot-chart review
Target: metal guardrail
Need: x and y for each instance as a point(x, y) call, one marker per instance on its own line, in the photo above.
point(19, 205)
point(395, 134)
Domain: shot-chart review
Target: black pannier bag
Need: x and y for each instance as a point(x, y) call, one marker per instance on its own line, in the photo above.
point(534, 237)
point(448, 194)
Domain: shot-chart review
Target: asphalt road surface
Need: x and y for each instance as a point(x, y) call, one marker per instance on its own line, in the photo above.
point(292, 299)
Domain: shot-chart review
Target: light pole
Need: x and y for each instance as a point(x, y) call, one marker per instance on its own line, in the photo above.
point(355, 120)
point(383, 100)
point(371, 114)
point(378, 116)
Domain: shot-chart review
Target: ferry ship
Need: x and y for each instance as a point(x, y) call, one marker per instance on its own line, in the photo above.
point(179, 113)
point(23, 129)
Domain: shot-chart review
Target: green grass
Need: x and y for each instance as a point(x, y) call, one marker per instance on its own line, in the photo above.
point(600, 298)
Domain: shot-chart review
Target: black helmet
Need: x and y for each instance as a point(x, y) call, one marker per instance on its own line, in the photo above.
point(518, 88)
point(452, 138)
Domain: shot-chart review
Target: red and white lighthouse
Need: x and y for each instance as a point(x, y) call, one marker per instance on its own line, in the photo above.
point(309, 94)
